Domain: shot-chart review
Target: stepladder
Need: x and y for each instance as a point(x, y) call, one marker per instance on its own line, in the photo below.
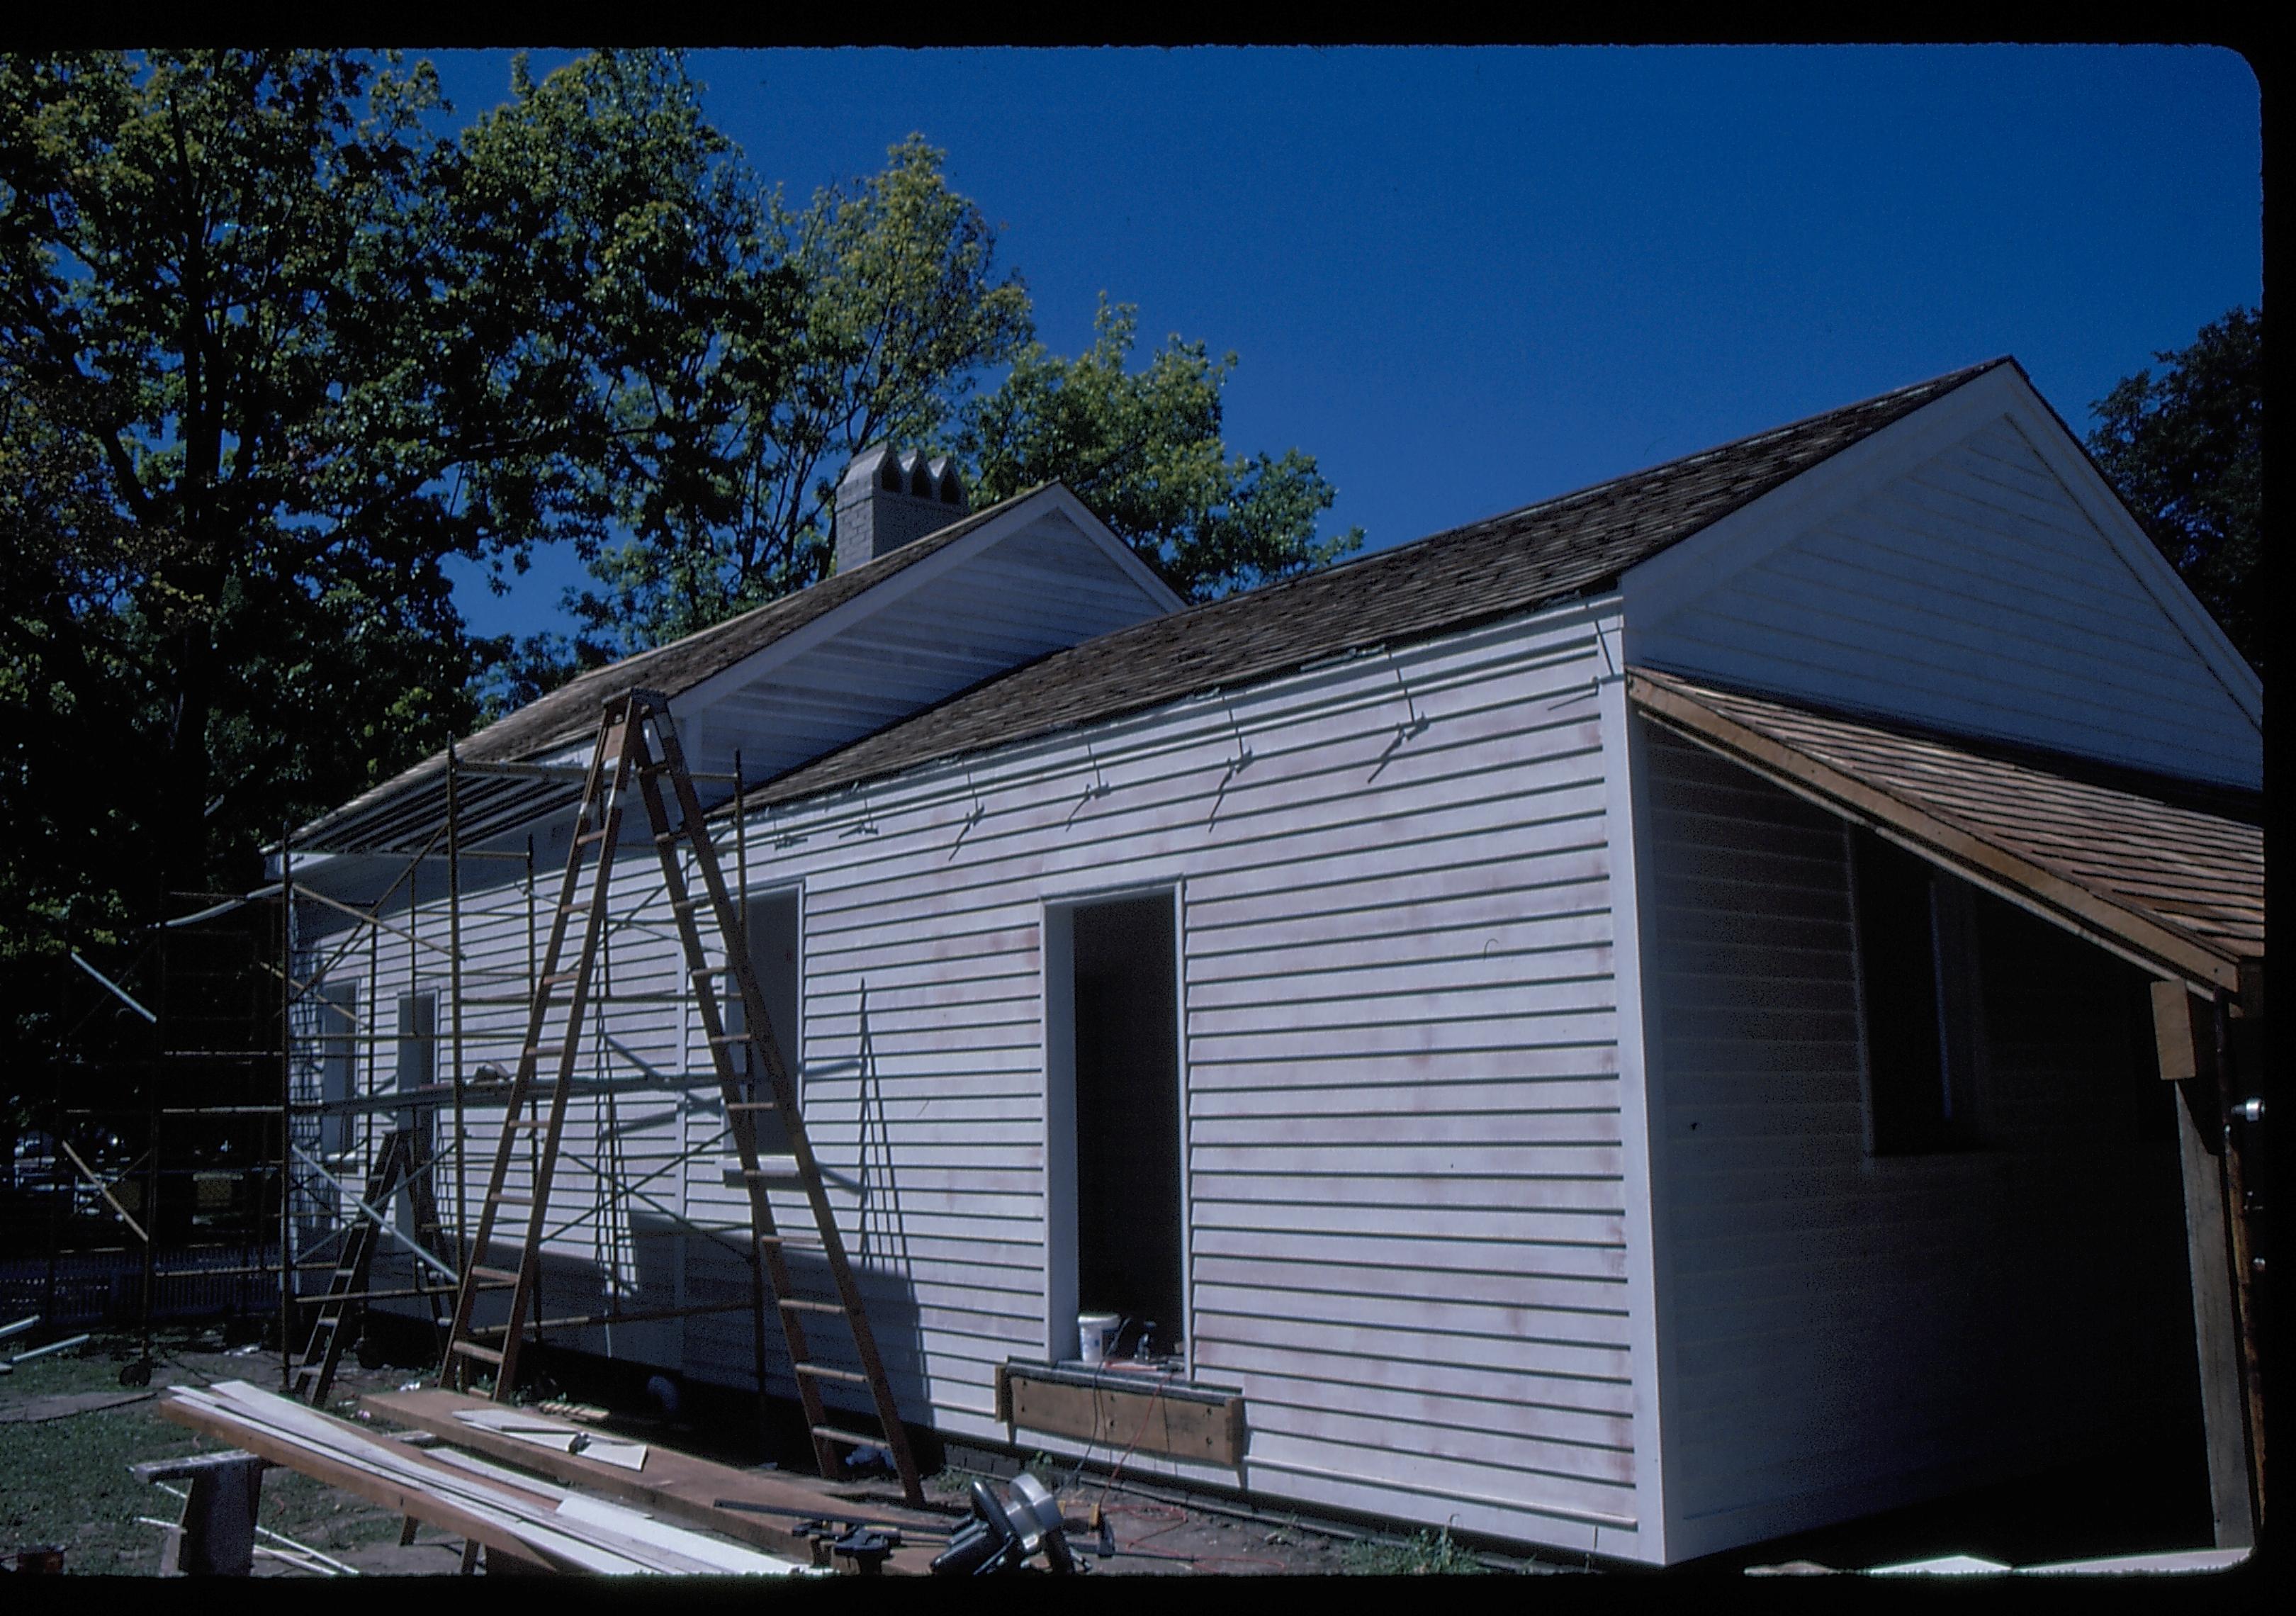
point(401, 1164)
point(639, 775)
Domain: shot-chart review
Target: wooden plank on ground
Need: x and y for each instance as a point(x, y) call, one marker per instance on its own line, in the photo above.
point(543, 1522)
point(679, 1484)
point(399, 1498)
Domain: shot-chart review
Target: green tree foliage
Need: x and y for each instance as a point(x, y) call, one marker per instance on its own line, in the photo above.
point(634, 265)
point(2186, 451)
point(276, 353)
point(894, 307)
point(1144, 449)
point(271, 355)
point(215, 523)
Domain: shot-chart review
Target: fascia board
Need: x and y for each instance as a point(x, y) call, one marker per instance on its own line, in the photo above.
point(1656, 588)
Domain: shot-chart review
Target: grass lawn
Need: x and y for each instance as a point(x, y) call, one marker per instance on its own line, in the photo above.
point(64, 1481)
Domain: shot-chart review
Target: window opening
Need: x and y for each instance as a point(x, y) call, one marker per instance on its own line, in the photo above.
point(773, 947)
point(1916, 969)
point(418, 1068)
point(339, 1029)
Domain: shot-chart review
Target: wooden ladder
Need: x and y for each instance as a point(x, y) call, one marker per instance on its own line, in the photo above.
point(400, 1160)
point(637, 750)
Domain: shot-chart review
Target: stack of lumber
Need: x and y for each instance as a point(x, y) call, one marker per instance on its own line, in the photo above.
point(518, 1516)
point(771, 1508)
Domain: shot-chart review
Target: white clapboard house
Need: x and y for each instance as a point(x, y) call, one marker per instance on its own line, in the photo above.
point(1626, 1026)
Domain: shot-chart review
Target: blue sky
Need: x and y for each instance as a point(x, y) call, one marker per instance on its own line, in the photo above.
point(1468, 279)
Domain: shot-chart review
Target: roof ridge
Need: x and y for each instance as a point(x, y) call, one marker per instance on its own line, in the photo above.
point(1957, 377)
point(1666, 504)
point(1588, 491)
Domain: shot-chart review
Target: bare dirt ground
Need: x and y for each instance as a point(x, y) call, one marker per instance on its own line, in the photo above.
point(1149, 1537)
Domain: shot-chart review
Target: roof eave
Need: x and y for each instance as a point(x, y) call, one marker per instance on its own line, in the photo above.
point(2145, 939)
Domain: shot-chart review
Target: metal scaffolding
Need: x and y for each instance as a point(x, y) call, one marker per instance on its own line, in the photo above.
point(226, 1107)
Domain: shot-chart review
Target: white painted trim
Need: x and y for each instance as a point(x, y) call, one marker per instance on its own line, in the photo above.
point(1187, 1178)
point(2063, 455)
point(1055, 919)
point(1641, 1116)
point(1656, 588)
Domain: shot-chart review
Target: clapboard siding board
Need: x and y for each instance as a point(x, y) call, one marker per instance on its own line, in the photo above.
point(923, 902)
point(1972, 592)
point(1522, 1108)
point(1844, 1332)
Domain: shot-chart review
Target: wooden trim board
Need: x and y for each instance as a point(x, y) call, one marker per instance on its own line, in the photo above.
point(1170, 1419)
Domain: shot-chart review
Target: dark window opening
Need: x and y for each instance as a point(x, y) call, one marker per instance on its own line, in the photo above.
point(338, 1048)
point(1127, 1122)
point(418, 1069)
point(773, 936)
point(1916, 969)
point(891, 477)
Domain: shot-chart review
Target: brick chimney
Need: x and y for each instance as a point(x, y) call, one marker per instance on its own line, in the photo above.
point(887, 500)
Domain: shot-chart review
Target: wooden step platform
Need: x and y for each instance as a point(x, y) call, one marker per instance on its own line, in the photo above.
point(681, 1486)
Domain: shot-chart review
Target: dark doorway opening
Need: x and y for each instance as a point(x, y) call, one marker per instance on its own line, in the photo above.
point(774, 940)
point(1128, 1121)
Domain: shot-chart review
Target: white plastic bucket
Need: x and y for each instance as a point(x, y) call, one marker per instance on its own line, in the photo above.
point(1093, 1330)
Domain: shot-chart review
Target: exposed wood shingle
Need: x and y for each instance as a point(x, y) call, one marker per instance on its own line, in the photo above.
point(2177, 885)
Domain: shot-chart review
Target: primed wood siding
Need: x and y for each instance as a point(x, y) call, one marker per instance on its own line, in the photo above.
point(1043, 586)
point(1844, 1333)
point(1403, 1150)
point(1404, 1160)
point(1973, 595)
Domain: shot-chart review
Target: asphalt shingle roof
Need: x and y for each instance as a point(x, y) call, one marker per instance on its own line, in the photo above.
point(571, 713)
point(1486, 570)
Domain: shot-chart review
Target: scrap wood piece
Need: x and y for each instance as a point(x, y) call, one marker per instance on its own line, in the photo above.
point(643, 1528)
point(523, 1522)
point(521, 1426)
